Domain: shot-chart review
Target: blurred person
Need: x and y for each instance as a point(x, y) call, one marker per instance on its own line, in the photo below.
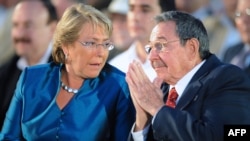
point(78, 97)
point(61, 5)
point(33, 25)
point(117, 12)
point(6, 47)
point(216, 6)
point(140, 24)
point(5, 5)
point(201, 9)
point(198, 8)
point(194, 95)
point(232, 36)
point(239, 54)
point(101, 5)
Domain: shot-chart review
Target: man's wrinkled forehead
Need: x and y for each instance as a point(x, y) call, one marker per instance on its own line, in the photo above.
point(156, 35)
point(163, 30)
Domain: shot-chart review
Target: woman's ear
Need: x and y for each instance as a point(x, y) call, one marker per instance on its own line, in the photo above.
point(65, 49)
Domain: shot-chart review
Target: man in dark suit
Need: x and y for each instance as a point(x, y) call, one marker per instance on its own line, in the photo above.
point(210, 94)
point(239, 54)
point(32, 31)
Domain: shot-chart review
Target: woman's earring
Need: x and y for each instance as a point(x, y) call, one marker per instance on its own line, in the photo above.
point(66, 56)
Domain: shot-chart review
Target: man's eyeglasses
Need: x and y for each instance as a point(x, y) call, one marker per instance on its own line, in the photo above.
point(91, 45)
point(159, 46)
point(239, 14)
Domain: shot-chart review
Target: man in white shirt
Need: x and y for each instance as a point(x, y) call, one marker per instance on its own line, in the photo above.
point(140, 23)
point(117, 11)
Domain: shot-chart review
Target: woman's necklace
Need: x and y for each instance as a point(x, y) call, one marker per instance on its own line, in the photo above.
point(68, 89)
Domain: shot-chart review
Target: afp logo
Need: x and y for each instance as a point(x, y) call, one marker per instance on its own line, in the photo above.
point(237, 132)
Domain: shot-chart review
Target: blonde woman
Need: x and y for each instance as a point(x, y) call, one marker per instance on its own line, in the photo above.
point(78, 97)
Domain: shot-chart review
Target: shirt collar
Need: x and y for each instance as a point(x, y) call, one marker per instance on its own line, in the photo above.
point(22, 62)
point(183, 82)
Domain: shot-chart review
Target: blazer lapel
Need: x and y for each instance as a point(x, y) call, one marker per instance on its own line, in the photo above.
point(165, 89)
point(191, 93)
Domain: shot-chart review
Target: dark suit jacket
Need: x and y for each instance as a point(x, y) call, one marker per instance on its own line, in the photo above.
point(217, 95)
point(231, 52)
point(9, 75)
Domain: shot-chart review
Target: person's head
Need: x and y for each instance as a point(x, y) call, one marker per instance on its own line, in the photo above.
point(177, 44)
point(99, 4)
point(190, 6)
point(82, 40)
point(242, 20)
point(117, 11)
point(229, 8)
point(33, 24)
point(141, 14)
point(61, 5)
point(8, 3)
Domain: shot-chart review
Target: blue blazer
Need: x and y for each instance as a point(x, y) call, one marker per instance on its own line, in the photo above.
point(217, 95)
point(102, 110)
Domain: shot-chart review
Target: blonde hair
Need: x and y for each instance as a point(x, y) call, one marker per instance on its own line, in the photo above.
point(71, 23)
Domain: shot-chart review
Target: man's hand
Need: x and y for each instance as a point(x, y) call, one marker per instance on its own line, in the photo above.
point(147, 96)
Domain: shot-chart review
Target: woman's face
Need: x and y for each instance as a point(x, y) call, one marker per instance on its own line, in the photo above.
point(85, 61)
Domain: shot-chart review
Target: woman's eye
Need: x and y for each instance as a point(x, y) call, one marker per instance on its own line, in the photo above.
point(89, 43)
point(106, 44)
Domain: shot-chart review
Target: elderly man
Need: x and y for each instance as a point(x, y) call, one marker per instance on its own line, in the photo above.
point(202, 94)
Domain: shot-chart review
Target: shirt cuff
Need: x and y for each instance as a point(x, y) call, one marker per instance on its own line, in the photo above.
point(140, 135)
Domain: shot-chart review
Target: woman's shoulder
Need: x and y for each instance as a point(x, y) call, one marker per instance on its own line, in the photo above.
point(44, 67)
point(112, 75)
point(36, 71)
point(40, 74)
point(112, 70)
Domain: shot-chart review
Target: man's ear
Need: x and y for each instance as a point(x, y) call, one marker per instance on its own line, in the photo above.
point(193, 46)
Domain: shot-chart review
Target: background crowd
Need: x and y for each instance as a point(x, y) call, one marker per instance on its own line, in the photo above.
point(219, 18)
point(26, 34)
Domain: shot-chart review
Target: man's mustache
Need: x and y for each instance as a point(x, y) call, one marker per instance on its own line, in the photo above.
point(22, 40)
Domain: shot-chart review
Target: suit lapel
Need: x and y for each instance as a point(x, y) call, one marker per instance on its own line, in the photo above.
point(191, 92)
point(189, 95)
point(165, 89)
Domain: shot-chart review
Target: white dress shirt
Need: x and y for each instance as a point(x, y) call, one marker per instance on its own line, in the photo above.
point(22, 62)
point(123, 60)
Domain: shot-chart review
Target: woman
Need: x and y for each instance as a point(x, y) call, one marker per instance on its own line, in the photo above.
point(78, 96)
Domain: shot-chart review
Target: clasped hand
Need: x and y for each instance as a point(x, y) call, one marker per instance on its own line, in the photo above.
point(146, 95)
